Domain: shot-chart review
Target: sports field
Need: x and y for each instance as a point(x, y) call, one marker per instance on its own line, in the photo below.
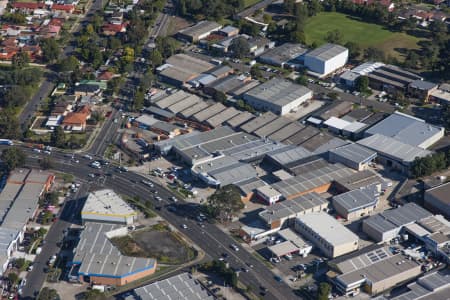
point(364, 34)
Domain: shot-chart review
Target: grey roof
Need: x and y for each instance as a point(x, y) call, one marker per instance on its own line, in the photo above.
point(183, 104)
point(283, 53)
point(363, 258)
point(289, 154)
point(278, 91)
point(146, 120)
point(291, 208)
point(219, 71)
point(227, 29)
point(159, 112)
point(200, 28)
point(220, 118)
point(106, 202)
point(326, 52)
point(213, 164)
point(435, 285)
point(354, 152)
point(323, 142)
point(229, 83)
point(336, 109)
point(190, 111)
point(379, 271)
point(360, 179)
point(302, 136)
point(250, 185)
point(314, 179)
point(423, 85)
point(357, 199)
point(398, 217)
point(306, 164)
point(233, 173)
point(7, 236)
point(254, 150)
point(326, 227)
point(165, 127)
point(440, 193)
point(172, 99)
point(393, 148)
point(98, 256)
point(406, 129)
point(258, 122)
point(207, 113)
point(272, 127)
point(286, 131)
point(239, 119)
point(7, 196)
point(181, 286)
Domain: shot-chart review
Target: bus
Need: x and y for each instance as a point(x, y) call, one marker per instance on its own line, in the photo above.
point(6, 142)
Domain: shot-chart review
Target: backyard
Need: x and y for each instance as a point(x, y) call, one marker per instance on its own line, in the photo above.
point(362, 33)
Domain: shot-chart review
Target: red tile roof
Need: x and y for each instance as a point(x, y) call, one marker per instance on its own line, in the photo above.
point(63, 7)
point(28, 5)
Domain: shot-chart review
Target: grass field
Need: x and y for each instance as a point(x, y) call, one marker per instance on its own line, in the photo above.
point(364, 34)
point(248, 3)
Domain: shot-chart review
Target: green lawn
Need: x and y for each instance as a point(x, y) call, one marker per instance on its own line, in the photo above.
point(364, 34)
point(248, 3)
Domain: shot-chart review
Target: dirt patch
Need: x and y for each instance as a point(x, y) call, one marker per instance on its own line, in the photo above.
point(167, 247)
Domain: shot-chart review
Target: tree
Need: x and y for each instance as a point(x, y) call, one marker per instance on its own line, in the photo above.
point(139, 98)
point(48, 294)
point(354, 49)
point(334, 36)
point(50, 50)
point(52, 198)
point(58, 137)
point(374, 54)
point(219, 96)
point(324, 291)
point(362, 84)
point(240, 47)
point(302, 80)
point(249, 28)
point(156, 58)
point(46, 163)
point(13, 277)
point(224, 203)
point(255, 72)
point(20, 263)
point(128, 55)
point(9, 125)
point(20, 60)
point(13, 158)
point(93, 295)
point(68, 64)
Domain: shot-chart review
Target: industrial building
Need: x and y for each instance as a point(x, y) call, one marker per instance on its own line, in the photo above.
point(408, 129)
point(223, 116)
point(393, 153)
point(356, 204)
point(315, 180)
point(434, 285)
point(292, 244)
point(286, 132)
point(209, 112)
point(285, 55)
point(391, 78)
point(199, 31)
point(361, 180)
point(272, 127)
point(258, 122)
point(239, 119)
point(288, 156)
point(348, 78)
point(374, 271)
point(248, 188)
point(9, 242)
point(387, 225)
point(106, 206)
point(192, 110)
point(181, 286)
point(96, 260)
point(321, 228)
point(437, 199)
point(278, 95)
point(268, 194)
point(326, 59)
point(283, 214)
point(421, 89)
point(353, 156)
point(181, 68)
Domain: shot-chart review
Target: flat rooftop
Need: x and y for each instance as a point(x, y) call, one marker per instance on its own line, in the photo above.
point(289, 154)
point(441, 192)
point(354, 153)
point(278, 91)
point(357, 199)
point(200, 28)
point(181, 286)
point(283, 53)
point(327, 51)
point(106, 203)
point(326, 227)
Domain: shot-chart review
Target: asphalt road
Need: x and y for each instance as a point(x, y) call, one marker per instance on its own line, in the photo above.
point(210, 238)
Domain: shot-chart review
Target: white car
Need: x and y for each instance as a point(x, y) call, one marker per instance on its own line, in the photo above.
point(87, 156)
point(184, 226)
point(47, 152)
point(36, 150)
point(147, 182)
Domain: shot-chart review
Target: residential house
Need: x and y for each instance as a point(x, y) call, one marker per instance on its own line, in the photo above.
point(67, 8)
point(76, 121)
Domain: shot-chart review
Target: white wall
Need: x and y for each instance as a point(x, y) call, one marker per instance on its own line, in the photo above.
point(326, 67)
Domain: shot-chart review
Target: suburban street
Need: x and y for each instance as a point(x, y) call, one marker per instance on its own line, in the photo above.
point(210, 238)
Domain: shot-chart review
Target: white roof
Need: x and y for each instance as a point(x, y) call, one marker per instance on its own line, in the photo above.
point(106, 203)
point(337, 123)
point(268, 191)
point(328, 228)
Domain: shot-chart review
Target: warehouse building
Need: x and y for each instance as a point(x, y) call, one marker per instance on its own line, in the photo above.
point(268, 194)
point(326, 59)
point(199, 31)
point(286, 132)
point(9, 242)
point(302, 136)
point(391, 78)
point(97, 261)
point(284, 213)
point(361, 180)
point(229, 84)
point(437, 199)
point(278, 95)
point(181, 105)
point(335, 109)
point(272, 127)
point(316, 180)
point(348, 78)
point(181, 286)
point(288, 156)
point(223, 116)
point(106, 206)
point(434, 285)
point(248, 188)
point(321, 228)
point(421, 89)
point(209, 112)
point(393, 153)
point(181, 68)
point(374, 272)
point(356, 204)
point(353, 156)
point(258, 122)
point(239, 119)
point(385, 226)
point(408, 129)
point(254, 152)
point(192, 110)
point(286, 55)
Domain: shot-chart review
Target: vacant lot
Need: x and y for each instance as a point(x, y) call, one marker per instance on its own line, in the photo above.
point(364, 34)
point(166, 246)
